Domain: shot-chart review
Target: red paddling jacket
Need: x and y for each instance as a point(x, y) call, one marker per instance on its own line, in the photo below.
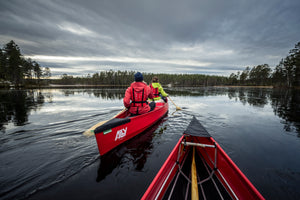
point(136, 98)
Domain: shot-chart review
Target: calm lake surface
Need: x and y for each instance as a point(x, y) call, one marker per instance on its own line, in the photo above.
point(44, 155)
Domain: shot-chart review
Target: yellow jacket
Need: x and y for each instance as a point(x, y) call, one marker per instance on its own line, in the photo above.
point(160, 90)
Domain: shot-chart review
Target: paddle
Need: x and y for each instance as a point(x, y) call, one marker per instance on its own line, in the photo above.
point(194, 184)
point(90, 131)
point(177, 108)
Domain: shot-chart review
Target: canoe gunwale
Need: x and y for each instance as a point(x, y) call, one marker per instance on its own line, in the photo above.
point(216, 162)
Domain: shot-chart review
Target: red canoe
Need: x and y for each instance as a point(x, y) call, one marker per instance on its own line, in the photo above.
point(124, 127)
point(208, 173)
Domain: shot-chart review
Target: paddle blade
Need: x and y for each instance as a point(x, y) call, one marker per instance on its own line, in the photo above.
point(90, 131)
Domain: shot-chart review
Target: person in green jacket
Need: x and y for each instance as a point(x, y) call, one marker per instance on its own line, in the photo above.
point(157, 90)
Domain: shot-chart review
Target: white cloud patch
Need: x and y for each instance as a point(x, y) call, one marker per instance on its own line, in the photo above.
point(62, 59)
point(76, 29)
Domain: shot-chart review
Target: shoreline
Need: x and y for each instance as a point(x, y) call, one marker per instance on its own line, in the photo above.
point(125, 86)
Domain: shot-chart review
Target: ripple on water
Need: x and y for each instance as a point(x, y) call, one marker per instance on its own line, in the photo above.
point(37, 157)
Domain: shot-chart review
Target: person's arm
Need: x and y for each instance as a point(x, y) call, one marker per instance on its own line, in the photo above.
point(161, 90)
point(126, 99)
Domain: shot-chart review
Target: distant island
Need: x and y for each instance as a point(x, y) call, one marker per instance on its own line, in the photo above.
point(17, 71)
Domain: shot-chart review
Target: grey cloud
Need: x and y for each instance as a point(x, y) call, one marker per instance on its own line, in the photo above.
point(255, 32)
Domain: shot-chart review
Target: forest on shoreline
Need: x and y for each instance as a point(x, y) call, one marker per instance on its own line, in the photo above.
point(17, 71)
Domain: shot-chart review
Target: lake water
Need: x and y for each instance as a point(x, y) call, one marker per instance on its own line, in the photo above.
point(44, 154)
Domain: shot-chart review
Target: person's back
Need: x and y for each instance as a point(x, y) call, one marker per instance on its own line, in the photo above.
point(157, 90)
point(136, 96)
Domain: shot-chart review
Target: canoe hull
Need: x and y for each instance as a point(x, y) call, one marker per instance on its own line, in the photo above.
point(234, 182)
point(111, 138)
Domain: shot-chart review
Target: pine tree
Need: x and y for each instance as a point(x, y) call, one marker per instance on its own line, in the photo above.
point(295, 57)
point(14, 63)
point(2, 65)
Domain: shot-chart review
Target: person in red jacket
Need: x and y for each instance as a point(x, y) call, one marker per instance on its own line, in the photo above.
point(136, 96)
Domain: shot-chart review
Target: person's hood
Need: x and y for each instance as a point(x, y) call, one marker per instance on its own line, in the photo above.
point(138, 86)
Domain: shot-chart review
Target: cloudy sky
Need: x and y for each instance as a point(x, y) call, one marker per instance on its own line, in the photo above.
point(168, 36)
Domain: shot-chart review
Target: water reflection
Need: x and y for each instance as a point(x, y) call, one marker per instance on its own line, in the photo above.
point(286, 105)
point(255, 97)
point(50, 147)
point(108, 93)
point(16, 105)
point(133, 153)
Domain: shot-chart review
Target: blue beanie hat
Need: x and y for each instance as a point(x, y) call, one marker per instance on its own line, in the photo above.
point(138, 77)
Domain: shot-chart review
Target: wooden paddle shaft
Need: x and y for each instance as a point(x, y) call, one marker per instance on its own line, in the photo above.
point(194, 188)
point(178, 108)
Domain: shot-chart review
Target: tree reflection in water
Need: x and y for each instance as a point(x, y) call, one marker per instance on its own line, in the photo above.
point(285, 103)
point(104, 93)
point(16, 105)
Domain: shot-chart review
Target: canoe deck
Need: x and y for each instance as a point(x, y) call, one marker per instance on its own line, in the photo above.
point(210, 188)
